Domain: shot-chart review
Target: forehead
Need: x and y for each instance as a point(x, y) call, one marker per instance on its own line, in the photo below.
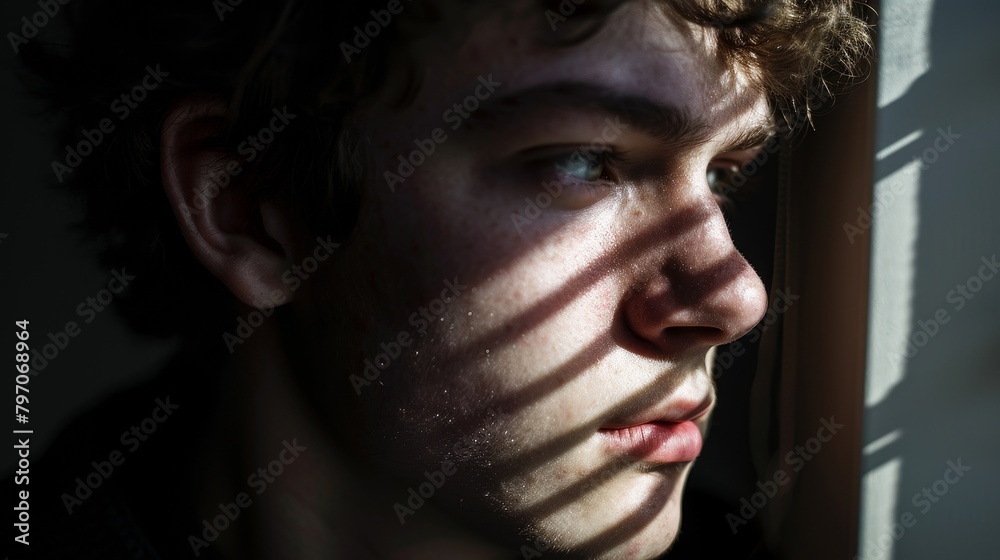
point(640, 49)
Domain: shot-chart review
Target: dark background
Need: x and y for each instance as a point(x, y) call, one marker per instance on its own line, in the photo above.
point(48, 269)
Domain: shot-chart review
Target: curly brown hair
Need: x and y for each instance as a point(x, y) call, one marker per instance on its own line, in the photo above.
point(278, 53)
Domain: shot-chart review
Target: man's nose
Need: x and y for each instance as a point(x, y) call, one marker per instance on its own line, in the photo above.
point(694, 290)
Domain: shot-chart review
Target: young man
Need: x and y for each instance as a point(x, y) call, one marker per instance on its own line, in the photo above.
point(475, 257)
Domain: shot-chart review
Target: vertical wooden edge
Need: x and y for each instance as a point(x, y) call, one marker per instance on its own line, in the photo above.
point(832, 176)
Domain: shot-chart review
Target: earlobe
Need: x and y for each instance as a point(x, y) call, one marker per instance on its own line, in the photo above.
point(244, 243)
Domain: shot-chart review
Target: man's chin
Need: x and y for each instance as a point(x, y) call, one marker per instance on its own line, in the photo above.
point(636, 518)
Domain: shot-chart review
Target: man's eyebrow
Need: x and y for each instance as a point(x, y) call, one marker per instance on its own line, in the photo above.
point(664, 122)
point(667, 123)
point(758, 134)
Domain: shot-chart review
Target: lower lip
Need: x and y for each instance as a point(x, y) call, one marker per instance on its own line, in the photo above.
point(658, 442)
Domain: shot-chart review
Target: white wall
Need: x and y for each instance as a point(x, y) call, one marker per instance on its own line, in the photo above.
point(937, 206)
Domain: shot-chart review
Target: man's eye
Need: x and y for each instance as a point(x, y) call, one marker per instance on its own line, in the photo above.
point(581, 165)
point(720, 180)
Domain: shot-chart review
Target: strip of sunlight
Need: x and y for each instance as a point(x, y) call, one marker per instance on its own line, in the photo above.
point(904, 47)
point(882, 442)
point(898, 145)
point(894, 233)
point(878, 500)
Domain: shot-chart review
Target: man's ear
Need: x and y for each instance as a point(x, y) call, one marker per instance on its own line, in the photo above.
point(244, 244)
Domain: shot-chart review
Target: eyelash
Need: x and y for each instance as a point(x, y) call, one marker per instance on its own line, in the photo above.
point(607, 159)
point(719, 176)
point(723, 190)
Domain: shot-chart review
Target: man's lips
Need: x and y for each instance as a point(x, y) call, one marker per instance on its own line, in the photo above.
point(658, 442)
point(670, 436)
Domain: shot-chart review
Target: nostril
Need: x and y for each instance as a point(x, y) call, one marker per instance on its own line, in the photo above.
point(687, 338)
point(656, 341)
point(695, 335)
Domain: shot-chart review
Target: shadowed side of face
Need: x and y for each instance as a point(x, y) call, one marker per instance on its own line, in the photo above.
point(561, 268)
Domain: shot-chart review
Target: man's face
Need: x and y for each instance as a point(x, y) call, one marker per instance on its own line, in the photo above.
point(564, 371)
